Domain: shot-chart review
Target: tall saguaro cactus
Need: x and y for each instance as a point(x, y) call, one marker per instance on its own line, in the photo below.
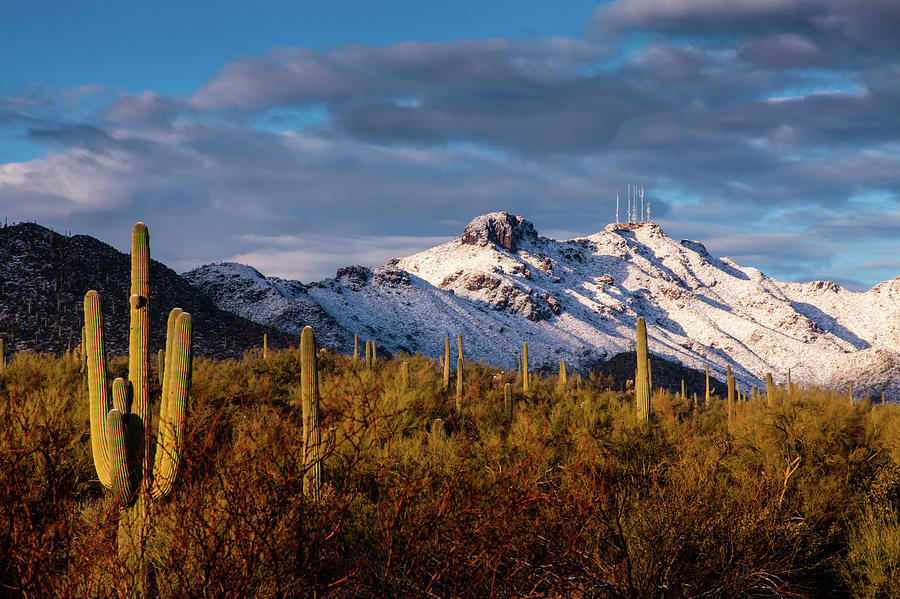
point(120, 437)
point(309, 392)
point(561, 382)
point(642, 380)
point(446, 363)
point(731, 384)
point(770, 390)
point(459, 383)
point(708, 392)
point(525, 366)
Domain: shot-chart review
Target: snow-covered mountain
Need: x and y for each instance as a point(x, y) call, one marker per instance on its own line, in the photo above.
point(500, 283)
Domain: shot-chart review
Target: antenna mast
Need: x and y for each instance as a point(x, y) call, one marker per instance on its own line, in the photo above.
point(643, 218)
point(617, 204)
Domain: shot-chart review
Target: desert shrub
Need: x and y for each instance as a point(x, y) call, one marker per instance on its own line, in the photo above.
point(572, 497)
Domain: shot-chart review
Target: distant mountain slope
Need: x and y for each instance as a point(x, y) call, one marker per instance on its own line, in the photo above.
point(43, 279)
point(500, 283)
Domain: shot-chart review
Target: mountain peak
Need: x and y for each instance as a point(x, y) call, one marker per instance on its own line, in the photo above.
point(499, 228)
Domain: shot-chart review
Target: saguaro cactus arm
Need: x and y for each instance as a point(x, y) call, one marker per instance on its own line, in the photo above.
point(176, 389)
point(123, 486)
point(98, 392)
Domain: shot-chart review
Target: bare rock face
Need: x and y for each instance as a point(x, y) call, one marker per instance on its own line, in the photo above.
point(355, 276)
point(500, 228)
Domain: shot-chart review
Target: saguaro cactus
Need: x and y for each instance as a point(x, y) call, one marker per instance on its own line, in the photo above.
point(437, 435)
point(525, 366)
point(355, 347)
point(309, 392)
point(561, 383)
point(459, 349)
point(642, 380)
point(120, 439)
point(265, 346)
point(459, 383)
point(730, 381)
point(369, 359)
point(706, 399)
point(770, 389)
point(446, 363)
point(404, 375)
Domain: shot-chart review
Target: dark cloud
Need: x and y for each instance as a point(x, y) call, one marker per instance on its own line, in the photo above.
point(766, 122)
point(783, 51)
point(847, 33)
point(145, 108)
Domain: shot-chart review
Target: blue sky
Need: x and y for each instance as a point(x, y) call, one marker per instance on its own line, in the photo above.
point(300, 137)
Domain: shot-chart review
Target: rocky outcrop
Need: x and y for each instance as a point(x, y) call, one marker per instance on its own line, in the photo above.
point(500, 228)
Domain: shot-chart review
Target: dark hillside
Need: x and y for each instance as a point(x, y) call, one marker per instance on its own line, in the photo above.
point(43, 279)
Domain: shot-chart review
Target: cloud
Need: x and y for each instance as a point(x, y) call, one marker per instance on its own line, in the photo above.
point(860, 32)
point(305, 258)
point(764, 120)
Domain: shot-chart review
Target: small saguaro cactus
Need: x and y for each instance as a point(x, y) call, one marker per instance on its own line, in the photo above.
point(265, 346)
point(706, 399)
point(561, 383)
point(404, 375)
point(525, 366)
point(438, 435)
point(642, 380)
point(770, 390)
point(459, 383)
point(355, 347)
point(730, 380)
point(683, 393)
point(368, 355)
point(507, 402)
point(309, 393)
point(120, 439)
point(459, 349)
point(446, 363)
point(374, 354)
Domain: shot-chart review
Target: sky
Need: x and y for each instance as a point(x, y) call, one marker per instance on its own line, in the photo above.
point(299, 137)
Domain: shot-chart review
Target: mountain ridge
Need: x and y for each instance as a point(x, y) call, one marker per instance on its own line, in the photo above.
point(44, 276)
point(501, 283)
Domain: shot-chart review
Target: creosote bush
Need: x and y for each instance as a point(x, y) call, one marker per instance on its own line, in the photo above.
point(571, 496)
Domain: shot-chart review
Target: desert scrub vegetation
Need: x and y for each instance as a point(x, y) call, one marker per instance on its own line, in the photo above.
point(573, 494)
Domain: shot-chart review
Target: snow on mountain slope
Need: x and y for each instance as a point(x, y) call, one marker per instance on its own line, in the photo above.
point(500, 283)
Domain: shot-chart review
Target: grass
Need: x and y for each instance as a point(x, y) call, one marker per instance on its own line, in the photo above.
point(571, 498)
